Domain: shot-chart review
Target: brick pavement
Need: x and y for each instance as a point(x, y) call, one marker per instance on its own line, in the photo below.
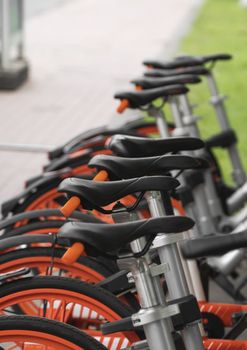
point(80, 53)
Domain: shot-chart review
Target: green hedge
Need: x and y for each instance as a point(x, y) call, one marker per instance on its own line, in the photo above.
point(221, 26)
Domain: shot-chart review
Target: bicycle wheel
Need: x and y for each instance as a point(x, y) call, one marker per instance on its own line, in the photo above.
point(67, 300)
point(36, 227)
point(47, 197)
point(39, 261)
point(22, 332)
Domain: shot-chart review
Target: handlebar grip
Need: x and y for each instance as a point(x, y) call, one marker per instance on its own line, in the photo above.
point(213, 245)
point(123, 105)
point(70, 206)
point(124, 324)
point(73, 253)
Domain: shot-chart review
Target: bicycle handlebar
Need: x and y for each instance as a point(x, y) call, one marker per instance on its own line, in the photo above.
point(213, 245)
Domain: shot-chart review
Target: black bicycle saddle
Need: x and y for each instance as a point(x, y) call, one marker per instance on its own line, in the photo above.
point(133, 146)
point(111, 238)
point(198, 70)
point(137, 99)
point(207, 58)
point(187, 61)
point(150, 83)
point(127, 168)
point(94, 194)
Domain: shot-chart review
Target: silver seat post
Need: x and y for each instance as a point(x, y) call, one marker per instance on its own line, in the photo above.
point(204, 218)
point(151, 296)
point(191, 268)
point(154, 315)
point(159, 116)
point(238, 172)
point(190, 123)
point(167, 247)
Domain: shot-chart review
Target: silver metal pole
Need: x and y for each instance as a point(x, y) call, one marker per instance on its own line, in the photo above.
point(190, 268)
point(150, 291)
point(21, 29)
point(210, 191)
point(204, 220)
point(175, 277)
point(238, 172)
point(5, 34)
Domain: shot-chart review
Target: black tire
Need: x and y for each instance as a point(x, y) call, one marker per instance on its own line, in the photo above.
point(20, 208)
point(43, 325)
point(70, 285)
point(47, 252)
point(80, 294)
point(102, 267)
point(32, 226)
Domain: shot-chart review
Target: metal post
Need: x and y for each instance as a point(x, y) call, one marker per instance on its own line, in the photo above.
point(13, 66)
point(5, 34)
point(21, 22)
point(210, 191)
point(238, 172)
point(149, 289)
point(204, 221)
point(175, 277)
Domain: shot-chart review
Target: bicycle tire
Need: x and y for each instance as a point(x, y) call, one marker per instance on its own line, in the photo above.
point(94, 270)
point(89, 305)
point(68, 284)
point(47, 328)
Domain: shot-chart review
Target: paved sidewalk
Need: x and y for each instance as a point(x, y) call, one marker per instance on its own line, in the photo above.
point(81, 52)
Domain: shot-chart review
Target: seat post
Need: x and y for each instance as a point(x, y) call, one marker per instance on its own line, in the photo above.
point(167, 247)
point(149, 289)
point(159, 116)
point(238, 172)
point(205, 221)
point(190, 267)
point(163, 130)
point(190, 123)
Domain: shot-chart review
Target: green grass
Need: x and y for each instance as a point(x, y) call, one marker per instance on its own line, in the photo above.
point(221, 26)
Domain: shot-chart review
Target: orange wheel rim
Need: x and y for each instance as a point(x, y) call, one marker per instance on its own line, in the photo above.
point(45, 201)
point(66, 306)
point(43, 231)
point(48, 201)
point(41, 263)
point(41, 341)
